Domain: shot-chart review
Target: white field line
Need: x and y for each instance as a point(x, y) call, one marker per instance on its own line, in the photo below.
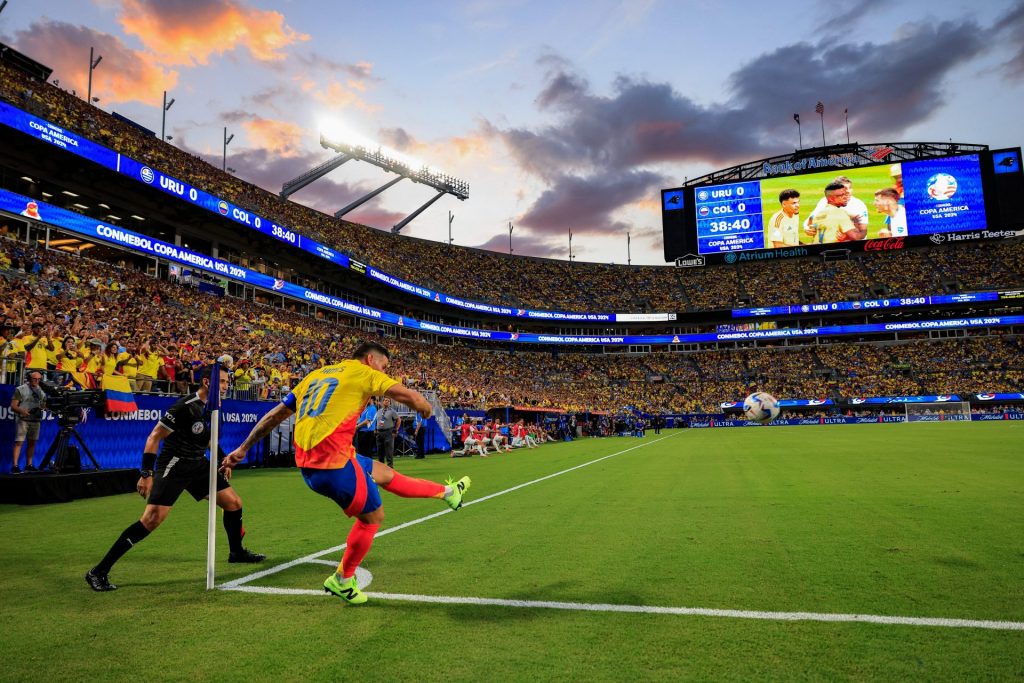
point(235, 583)
point(678, 611)
point(365, 578)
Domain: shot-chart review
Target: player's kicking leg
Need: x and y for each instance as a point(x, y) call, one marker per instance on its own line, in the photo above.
point(362, 501)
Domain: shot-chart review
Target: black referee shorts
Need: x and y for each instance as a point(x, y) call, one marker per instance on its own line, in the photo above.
point(174, 475)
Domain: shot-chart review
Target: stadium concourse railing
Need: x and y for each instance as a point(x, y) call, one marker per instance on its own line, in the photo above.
point(43, 130)
point(13, 204)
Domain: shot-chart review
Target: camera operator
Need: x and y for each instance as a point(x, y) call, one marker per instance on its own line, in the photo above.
point(27, 405)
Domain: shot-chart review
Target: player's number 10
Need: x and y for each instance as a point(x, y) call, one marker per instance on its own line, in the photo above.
point(317, 397)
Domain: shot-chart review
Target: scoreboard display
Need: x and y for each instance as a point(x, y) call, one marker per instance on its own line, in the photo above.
point(909, 202)
point(729, 217)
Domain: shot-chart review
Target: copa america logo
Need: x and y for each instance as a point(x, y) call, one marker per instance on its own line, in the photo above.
point(278, 284)
point(702, 195)
point(222, 207)
point(147, 175)
point(941, 187)
point(730, 258)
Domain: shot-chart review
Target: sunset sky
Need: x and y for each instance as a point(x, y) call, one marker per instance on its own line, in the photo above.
point(560, 115)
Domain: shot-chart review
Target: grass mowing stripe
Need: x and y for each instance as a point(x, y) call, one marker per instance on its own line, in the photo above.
point(678, 611)
point(314, 556)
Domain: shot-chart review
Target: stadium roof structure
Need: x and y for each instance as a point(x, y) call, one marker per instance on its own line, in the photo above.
point(382, 158)
point(850, 155)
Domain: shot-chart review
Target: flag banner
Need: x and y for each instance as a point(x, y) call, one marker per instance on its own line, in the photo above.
point(213, 400)
point(119, 394)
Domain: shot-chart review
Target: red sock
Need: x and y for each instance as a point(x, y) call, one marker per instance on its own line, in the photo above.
point(407, 487)
point(359, 541)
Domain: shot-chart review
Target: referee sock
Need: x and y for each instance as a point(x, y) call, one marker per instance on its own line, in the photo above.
point(128, 538)
point(408, 487)
point(358, 544)
point(233, 526)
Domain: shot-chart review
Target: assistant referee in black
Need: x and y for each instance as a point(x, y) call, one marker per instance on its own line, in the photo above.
point(184, 431)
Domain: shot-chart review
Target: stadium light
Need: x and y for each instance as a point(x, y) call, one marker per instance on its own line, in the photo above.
point(227, 141)
point(93, 63)
point(357, 146)
point(163, 117)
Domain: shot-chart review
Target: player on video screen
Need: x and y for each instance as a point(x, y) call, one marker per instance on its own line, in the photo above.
point(839, 216)
point(896, 173)
point(784, 225)
point(887, 202)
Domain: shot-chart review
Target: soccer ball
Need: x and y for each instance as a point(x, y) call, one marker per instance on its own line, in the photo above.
point(761, 407)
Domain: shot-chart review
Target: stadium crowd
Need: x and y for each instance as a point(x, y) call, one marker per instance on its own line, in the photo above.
point(539, 283)
point(97, 317)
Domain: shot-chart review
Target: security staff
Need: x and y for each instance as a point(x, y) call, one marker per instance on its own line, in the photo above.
point(184, 431)
point(364, 429)
point(420, 434)
point(387, 426)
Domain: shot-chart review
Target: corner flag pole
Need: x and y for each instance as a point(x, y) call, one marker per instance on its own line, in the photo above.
point(213, 405)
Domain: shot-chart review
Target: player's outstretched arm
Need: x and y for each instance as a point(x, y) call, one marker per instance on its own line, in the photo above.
point(411, 398)
point(264, 427)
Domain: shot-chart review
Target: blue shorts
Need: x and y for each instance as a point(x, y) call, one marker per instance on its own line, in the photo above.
point(352, 487)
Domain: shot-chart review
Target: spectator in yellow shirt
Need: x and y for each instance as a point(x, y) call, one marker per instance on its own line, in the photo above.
point(148, 368)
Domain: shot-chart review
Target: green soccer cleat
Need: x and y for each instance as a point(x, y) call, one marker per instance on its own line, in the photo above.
point(459, 489)
point(346, 590)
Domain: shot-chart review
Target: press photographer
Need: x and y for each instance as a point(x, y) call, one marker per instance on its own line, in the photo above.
point(27, 405)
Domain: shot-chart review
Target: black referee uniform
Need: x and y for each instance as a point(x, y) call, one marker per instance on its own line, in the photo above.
point(180, 466)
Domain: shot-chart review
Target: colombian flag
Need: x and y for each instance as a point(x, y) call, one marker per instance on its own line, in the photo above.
point(119, 394)
point(81, 378)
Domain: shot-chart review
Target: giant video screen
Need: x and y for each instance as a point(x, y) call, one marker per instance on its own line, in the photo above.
point(842, 205)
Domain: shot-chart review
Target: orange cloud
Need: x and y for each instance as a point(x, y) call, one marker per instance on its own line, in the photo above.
point(280, 138)
point(337, 96)
point(188, 32)
point(124, 75)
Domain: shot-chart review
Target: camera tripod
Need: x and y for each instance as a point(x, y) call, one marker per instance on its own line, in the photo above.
point(58, 450)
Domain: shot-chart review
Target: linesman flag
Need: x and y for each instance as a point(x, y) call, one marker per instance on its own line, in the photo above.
point(119, 394)
point(820, 108)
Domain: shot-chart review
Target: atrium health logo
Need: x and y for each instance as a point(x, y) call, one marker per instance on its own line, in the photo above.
point(730, 257)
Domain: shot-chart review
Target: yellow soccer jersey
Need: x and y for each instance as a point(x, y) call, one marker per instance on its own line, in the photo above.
point(830, 221)
point(327, 404)
point(783, 229)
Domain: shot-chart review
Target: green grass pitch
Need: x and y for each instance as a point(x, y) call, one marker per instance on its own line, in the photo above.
point(922, 520)
point(812, 188)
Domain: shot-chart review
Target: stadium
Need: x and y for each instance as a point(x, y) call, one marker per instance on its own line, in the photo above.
point(627, 519)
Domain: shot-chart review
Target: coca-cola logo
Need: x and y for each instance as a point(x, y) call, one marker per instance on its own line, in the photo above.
point(889, 244)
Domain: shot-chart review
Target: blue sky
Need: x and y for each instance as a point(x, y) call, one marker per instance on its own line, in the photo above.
point(561, 115)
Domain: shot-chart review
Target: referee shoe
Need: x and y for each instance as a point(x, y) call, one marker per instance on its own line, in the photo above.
point(99, 582)
point(245, 556)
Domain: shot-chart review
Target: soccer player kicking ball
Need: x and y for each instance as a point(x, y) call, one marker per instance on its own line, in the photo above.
point(327, 404)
